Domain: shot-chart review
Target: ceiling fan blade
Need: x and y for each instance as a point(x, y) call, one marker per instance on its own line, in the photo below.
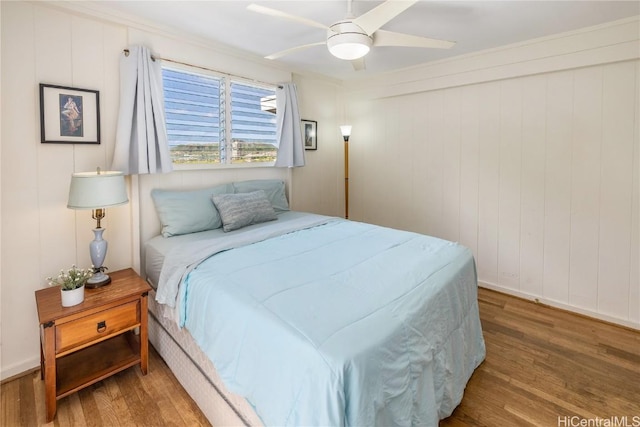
point(358, 64)
point(293, 50)
point(279, 14)
point(389, 38)
point(380, 15)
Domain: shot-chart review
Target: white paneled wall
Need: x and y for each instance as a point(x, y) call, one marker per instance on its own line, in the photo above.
point(319, 186)
point(538, 175)
point(533, 174)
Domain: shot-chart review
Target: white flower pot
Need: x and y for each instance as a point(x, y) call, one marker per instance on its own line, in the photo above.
point(72, 297)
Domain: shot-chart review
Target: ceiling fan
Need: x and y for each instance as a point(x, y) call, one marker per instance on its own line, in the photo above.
point(352, 38)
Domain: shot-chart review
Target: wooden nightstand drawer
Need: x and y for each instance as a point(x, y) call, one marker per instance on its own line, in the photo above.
point(98, 326)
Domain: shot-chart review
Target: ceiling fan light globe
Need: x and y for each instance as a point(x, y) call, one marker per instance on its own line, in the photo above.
point(349, 46)
point(349, 51)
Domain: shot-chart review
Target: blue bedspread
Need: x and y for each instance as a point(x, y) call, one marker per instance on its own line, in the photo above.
point(343, 323)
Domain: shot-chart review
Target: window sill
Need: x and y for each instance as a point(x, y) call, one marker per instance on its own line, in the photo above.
point(206, 166)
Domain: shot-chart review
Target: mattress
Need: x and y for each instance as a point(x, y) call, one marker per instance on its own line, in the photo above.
point(399, 350)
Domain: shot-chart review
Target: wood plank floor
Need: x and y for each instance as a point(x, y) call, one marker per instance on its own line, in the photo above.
point(544, 367)
point(126, 399)
point(548, 367)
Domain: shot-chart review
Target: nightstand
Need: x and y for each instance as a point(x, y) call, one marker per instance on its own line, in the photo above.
point(93, 340)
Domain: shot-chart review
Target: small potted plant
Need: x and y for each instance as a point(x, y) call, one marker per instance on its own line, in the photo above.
point(71, 284)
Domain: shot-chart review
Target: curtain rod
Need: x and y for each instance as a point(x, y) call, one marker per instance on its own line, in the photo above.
point(153, 58)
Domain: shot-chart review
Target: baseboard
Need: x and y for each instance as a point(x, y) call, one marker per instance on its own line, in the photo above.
point(19, 369)
point(560, 305)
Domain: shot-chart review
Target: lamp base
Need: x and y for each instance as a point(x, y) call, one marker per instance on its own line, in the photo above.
point(98, 280)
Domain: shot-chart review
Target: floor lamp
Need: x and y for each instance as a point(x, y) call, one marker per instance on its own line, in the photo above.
point(346, 133)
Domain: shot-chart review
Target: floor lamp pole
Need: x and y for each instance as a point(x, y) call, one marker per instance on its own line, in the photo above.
point(346, 132)
point(346, 177)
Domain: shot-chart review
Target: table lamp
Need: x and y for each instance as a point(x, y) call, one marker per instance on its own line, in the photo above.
point(96, 191)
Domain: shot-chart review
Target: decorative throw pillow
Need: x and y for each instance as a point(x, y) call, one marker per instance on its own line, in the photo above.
point(183, 212)
point(273, 188)
point(242, 209)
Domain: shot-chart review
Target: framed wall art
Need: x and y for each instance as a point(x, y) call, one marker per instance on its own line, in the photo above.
point(310, 134)
point(69, 115)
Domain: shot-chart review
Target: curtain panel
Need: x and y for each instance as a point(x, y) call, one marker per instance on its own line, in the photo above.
point(288, 132)
point(141, 136)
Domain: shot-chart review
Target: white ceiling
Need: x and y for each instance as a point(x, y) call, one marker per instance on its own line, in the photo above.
point(474, 25)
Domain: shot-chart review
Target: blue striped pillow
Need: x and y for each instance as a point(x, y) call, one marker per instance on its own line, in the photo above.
point(241, 209)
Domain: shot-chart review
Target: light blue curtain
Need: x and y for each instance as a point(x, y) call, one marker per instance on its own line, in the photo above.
point(289, 133)
point(141, 135)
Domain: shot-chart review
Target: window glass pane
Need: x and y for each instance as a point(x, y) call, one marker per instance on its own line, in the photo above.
point(253, 124)
point(192, 108)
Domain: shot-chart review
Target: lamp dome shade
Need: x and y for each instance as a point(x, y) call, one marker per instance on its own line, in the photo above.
point(348, 41)
point(94, 190)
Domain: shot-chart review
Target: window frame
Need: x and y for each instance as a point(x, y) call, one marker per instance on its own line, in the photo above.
point(228, 79)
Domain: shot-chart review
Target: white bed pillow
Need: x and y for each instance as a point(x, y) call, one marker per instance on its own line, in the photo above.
point(241, 209)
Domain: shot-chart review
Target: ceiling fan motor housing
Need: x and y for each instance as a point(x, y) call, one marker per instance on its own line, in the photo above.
point(348, 41)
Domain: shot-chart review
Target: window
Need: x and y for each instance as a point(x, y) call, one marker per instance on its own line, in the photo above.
point(218, 120)
point(192, 110)
point(253, 124)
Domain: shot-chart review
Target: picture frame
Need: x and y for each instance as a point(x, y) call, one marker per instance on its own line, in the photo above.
point(69, 115)
point(310, 134)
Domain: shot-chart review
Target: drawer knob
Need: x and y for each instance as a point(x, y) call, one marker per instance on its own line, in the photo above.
point(102, 326)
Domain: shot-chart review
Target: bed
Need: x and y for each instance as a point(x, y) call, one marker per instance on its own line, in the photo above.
point(290, 318)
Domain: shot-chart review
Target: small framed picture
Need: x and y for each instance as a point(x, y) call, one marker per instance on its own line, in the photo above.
point(310, 134)
point(69, 115)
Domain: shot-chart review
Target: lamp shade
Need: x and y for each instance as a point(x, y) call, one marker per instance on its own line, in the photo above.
point(94, 190)
point(345, 130)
